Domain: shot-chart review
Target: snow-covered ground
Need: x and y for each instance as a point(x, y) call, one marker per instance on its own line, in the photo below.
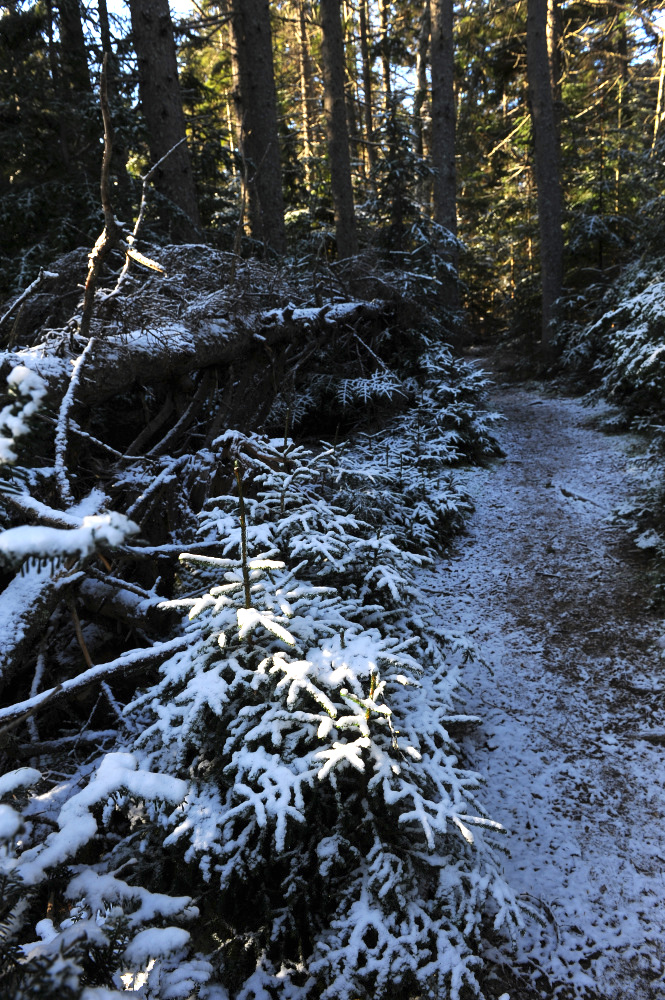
point(556, 597)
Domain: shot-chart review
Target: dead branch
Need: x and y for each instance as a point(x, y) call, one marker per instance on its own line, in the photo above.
point(126, 665)
point(41, 277)
point(111, 232)
point(122, 604)
point(25, 608)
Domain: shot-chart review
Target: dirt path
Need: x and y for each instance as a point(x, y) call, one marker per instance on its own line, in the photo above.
point(556, 598)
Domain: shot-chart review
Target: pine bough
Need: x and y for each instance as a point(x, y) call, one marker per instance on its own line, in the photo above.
point(291, 818)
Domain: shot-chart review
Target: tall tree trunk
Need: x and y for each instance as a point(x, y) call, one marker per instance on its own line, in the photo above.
point(73, 53)
point(661, 89)
point(306, 92)
point(554, 40)
point(159, 91)
point(79, 133)
point(367, 88)
point(443, 130)
point(350, 80)
point(420, 96)
point(547, 169)
point(332, 53)
point(384, 19)
point(120, 152)
point(257, 114)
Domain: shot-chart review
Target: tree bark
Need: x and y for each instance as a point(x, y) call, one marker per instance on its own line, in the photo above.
point(306, 92)
point(73, 54)
point(554, 39)
point(547, 168)
point(256, 103)
point(661, 89)
point(420, 95)
point(443, 131)
point(384, 18)
point(159, 91)
point(367, 90)
point(332, 54)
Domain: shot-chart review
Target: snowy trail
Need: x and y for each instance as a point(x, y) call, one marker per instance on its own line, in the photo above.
point(556, 598)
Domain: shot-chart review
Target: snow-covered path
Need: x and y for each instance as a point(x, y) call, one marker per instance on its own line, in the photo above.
point(556, 598)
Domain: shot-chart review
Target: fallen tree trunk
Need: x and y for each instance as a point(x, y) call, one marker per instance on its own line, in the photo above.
point(163, 353)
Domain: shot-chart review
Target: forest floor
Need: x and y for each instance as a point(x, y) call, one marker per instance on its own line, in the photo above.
point(558, 599)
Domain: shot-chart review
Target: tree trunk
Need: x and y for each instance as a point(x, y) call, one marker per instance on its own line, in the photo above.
point(73, 54)
point(120, 151)
point(257, 114)
point(367, 90)
point(547, 169)
point(443, 132)
point(420, 95)
point(306, 93)
point(332, 54)
point(159, 91)
point(661, 89)
point(554, 38)
point(350, 80)
point(384, 18)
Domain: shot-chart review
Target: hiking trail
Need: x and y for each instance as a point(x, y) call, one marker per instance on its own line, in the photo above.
point(556, 597)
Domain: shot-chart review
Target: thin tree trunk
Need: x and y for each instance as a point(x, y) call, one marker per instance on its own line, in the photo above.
point(306, 93)
point(443, 130)
point(257, 113)
point(420, 96)
point(159, 91)
point(332, 52)
point(661, 90)
point(554, 38)
point(367, 89)
point(547, 169)
point(120, 152)
point(350, 80)
point(384, 19)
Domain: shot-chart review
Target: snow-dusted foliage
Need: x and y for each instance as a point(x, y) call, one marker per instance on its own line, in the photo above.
point(340, 838)
point(623, 347)
point(28, 390)
point(292, 768)
point(622, 354)
point(244, 783)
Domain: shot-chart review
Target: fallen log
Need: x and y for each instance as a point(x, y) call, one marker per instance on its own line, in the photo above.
point(164, 352)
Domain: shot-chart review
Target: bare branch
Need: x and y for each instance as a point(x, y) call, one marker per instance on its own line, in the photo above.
point(126, 665)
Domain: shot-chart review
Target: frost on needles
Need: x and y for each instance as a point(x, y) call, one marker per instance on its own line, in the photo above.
point(292, 785)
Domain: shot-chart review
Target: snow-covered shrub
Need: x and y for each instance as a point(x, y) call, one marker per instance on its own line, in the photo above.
point(100, 926)
point(293, 773)
point(28, 390)
point(622, 353)
point(338, 836)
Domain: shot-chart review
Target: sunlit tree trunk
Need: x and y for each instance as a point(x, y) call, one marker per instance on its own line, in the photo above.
point(306, 92)
point(384, 20)
point(554, 41)
point(350, 80)
point(159, 90)
point(661, 90)
point(547, 158)
point(332, 56)
point(367, 87)
point(257, 113)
